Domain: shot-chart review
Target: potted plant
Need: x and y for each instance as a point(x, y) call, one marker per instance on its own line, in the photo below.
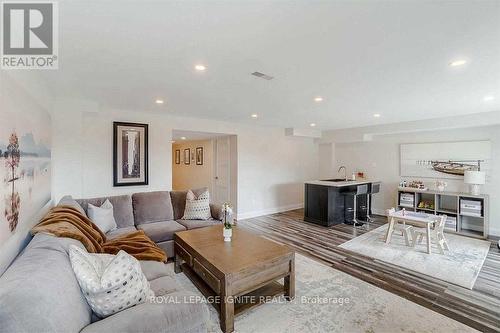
point(227, 213)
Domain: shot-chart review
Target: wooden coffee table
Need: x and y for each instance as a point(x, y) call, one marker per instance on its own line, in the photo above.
point(239, 274)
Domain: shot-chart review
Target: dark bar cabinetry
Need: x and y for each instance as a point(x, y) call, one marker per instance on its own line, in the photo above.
point(327, 203)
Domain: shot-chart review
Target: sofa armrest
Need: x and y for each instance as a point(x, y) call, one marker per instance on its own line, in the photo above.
point(169, 316)
point(216, 211)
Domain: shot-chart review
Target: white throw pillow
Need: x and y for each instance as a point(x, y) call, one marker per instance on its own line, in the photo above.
point(197, 208)
point(102, 216)
point(110, 283)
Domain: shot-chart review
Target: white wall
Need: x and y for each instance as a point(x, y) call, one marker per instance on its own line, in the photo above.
point(327, 161)
point(271, 166)
point(189, 176)
point(379, 159)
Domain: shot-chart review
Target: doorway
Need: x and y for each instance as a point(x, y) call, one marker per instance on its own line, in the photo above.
point(202, 159)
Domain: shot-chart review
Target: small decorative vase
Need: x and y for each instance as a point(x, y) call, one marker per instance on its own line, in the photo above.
point(228, 233)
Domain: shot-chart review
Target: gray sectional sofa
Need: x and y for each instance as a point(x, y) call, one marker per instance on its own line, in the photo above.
point(39, 291)
point(158, 214)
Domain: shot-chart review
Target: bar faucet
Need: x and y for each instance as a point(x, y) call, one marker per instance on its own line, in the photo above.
point(345, 172)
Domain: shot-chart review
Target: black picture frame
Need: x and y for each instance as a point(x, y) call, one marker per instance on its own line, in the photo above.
point(199, 155)
point(187, 156)
point(118, 165)
point(177, 156)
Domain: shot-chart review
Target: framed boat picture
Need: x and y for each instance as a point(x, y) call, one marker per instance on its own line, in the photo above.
point(199, 156)
point(444, 160)
point(177, 156)
point(130, 154)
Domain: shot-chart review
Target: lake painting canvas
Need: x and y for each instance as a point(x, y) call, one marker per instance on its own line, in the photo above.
point(25, 169)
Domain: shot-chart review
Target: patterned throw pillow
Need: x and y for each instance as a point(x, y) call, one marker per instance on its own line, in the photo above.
point(197, 208)
point(110, 283)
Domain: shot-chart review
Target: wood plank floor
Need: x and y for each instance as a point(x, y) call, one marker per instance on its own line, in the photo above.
point(478, 308)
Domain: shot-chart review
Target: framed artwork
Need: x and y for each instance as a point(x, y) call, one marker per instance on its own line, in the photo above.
point(177, 156)
point(130, 154)
point(444, 160)
point(25, 168)
point(199, 156)
point(187, 156)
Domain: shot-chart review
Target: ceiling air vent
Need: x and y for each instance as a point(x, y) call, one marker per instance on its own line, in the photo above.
point(262, 76)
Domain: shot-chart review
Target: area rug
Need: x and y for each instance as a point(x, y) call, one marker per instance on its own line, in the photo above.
point(328, 300)
point(460, 265)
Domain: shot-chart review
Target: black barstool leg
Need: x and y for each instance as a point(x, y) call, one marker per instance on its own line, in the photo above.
point(354, 212)
point(368, 208)
point(355, 221)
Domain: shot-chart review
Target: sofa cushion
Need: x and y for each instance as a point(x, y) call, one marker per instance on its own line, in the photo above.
point(179, 200)
point(161, 231)
point(183, 316)
point(168, 247)
point(194, 224)
point(152, 207)
point(154, 269)
point(68, 200)
point(39, 291)
point(120, 231)
point(122, 208)
point(164, 285)
point(216, 211)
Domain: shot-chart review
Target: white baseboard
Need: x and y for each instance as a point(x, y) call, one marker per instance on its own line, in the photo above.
point(274, 210)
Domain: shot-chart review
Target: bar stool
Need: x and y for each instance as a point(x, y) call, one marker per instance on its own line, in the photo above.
point(355, 192)
point(372, 189)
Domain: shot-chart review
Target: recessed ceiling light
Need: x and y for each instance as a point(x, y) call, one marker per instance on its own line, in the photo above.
point(318, 99)
point(456, 63)
point(312, 124)
point(254, 116)
point(488, 98)
point(183, 138)
point(159, 101)
point(377, 115)
point(200, 67)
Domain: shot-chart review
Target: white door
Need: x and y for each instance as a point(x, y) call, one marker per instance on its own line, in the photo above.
point(222, 170)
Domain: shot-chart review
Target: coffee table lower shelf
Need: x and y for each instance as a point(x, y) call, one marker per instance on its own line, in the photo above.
point(242, 303)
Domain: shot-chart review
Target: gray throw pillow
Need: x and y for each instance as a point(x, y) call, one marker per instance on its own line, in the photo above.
point(102, 216)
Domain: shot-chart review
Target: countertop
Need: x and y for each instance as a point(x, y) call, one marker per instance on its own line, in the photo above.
point(341, 184)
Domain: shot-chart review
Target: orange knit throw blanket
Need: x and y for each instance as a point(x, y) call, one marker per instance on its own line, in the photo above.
point(66, 221)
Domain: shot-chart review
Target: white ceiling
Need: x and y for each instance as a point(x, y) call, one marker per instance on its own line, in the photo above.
point(362, 57)
point(193, 136)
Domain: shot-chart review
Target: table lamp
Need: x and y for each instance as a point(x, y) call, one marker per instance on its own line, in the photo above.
point(475, 179)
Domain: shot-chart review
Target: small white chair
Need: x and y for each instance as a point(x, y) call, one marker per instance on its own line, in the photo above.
point(437, 235)
point(406, 230)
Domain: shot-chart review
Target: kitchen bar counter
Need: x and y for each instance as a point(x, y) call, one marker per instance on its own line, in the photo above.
point(340, 183)
point(329, 202)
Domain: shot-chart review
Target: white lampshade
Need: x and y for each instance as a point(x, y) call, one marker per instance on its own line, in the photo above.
point(475, 177)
